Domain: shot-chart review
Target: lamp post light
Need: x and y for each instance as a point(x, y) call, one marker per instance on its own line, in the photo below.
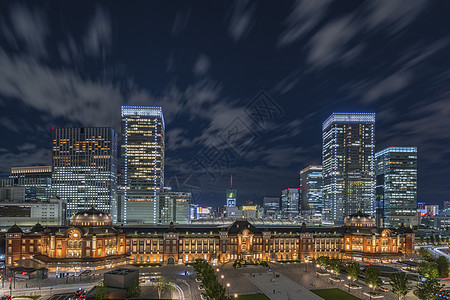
point(235, 295)
point(370, 294)
point(228, 289)
point(349, 283)
point(222, 276)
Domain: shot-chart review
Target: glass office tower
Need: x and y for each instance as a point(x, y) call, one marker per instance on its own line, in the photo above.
point(142, 177)
point(348, 165)
point(290, 202)
point(84, 164)
point(311, 182)
point(37, 181)
point(396, 186)
point(174, 207)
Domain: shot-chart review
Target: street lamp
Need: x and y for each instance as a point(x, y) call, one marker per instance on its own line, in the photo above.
point(222, 276)
point(235, 295)
point(228, 289)
point(217, 270)
point(349, 283)
point(370, 294)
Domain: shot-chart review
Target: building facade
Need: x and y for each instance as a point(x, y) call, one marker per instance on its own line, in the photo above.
point(84, 163)
point(348, 165)
point(311, 184)
point(49, 213)
point(290, 202)
point(271, 206)
point(91, 240)
point(174, 207)
point(396, 186)
point(142, 178)
point(35, 182)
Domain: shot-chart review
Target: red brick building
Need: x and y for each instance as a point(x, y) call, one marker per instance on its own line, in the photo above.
point(92, 241)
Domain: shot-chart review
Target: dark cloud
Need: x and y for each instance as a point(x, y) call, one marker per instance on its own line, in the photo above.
point(202, 65)
point(30, 27)
point(99, 35)
point(304, 17)
point(181, 20)
point(241, 19)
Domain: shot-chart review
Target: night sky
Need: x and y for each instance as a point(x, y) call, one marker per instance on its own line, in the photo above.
point(212, 64)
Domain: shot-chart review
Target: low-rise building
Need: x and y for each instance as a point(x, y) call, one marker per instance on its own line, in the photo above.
point(91, 240)
point(27, 214)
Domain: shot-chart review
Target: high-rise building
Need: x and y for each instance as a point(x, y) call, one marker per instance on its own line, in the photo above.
point(84, 163)
point(348, 165)
point(36, 181)
point(50, 212)
point(271, 205)
point(174, 207)
point(231, 194)
point(290, 202)
point(431, 210)
point(142, 177)
point(311, 183)
point(396, 186)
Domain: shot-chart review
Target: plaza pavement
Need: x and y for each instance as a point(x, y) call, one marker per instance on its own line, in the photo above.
point(278, 287)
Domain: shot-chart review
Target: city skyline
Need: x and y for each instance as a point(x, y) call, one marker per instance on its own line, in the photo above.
point(70, 66)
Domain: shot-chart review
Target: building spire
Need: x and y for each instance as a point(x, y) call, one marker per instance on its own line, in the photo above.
point(231, 181)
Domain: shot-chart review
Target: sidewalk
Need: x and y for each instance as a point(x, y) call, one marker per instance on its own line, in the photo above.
point(281, 288)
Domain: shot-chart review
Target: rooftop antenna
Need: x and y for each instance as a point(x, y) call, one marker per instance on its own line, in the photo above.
point(231, 181)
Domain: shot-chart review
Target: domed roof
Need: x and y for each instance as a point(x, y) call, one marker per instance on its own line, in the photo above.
point(14, 229)
point(37, 228)
point(360, 219)
point(91, 217)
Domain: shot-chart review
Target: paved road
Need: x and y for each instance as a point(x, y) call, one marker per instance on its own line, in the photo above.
point(49, 291)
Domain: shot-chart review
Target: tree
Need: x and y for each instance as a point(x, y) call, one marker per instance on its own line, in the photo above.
point(134, 290)
point(425, 253)
point(399, 283)
point(421, 240)
point(101, 292)
point(442, 266)
point(336, 265)
point(323, 261)
point(437, 238)
point(353, 270)
point(428, 269)
point(213, 289)
point(432, 239)
point(427, 239)
point(163, 286)
point(373, 276)
point(428, 289)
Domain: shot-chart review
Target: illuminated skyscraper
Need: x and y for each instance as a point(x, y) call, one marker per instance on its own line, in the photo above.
point(142, 177)
point(290, 202)
point(311, 181)
point(396, 186)
point(231, 194)
point(84, 163)
point(348, 165)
